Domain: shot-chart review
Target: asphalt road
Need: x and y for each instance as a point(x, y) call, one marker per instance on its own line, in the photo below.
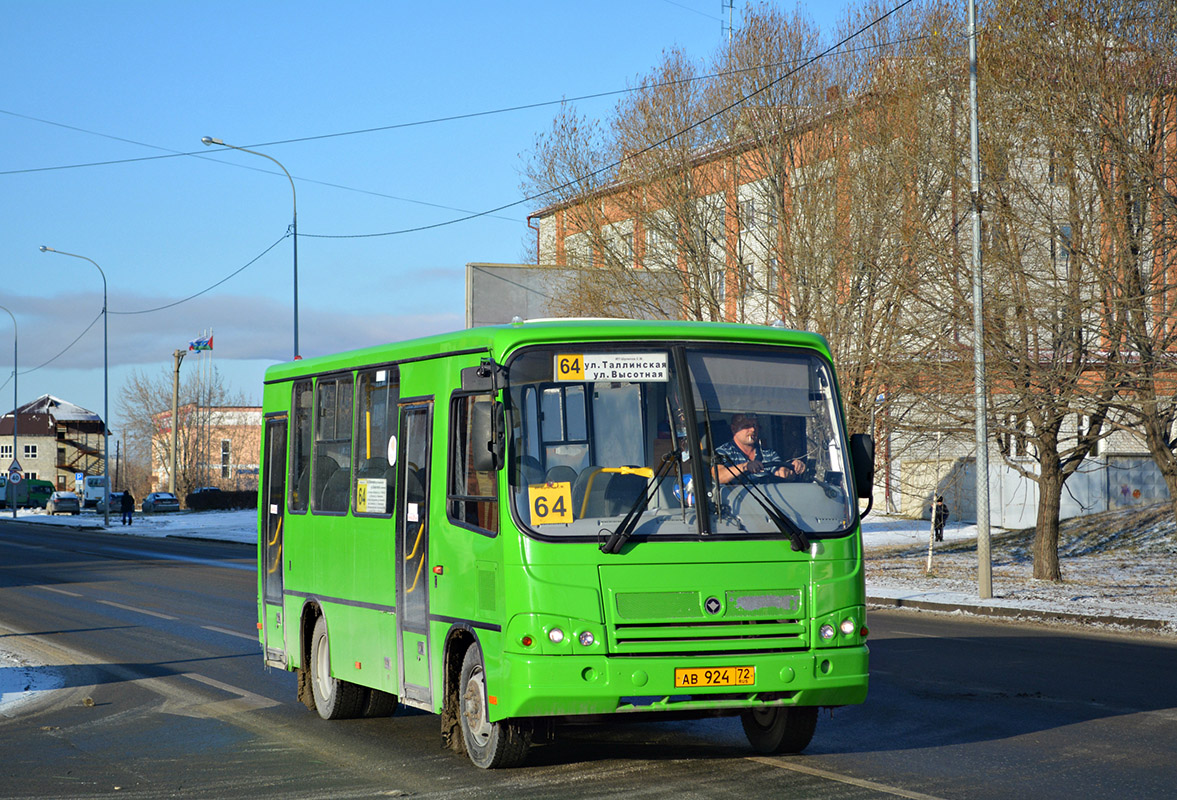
point(163, 693)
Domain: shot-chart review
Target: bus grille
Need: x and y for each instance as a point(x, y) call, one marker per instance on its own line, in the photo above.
point(731, 636)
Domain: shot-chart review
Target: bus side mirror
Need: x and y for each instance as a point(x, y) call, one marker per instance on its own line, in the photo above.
point(486, 435)
point(483, 378)
point(862, 454)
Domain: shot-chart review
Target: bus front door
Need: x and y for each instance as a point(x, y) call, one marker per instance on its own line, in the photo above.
point(412, 548)
point(270, 550)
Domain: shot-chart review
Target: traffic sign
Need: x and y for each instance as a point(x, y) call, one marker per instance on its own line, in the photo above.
point(14, 477)
point(15, 466)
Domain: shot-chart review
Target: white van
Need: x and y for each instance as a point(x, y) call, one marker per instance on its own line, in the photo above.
point(93, 490)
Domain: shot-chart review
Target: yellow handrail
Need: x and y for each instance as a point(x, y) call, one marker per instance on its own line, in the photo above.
point(645, 472)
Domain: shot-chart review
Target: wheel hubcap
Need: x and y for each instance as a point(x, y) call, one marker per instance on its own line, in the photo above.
point(474, 709)
point(323, 668)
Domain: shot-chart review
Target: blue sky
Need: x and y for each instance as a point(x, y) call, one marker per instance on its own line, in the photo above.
point(92, 82)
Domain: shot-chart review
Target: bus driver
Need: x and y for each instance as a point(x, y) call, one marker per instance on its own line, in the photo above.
point(745, 455)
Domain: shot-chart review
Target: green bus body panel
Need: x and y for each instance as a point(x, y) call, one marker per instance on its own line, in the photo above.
point(646, 608)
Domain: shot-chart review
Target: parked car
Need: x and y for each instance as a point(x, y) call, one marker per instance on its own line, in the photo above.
point(116, 507)
point(161, 501)
point(63, 503)
point(203, 489)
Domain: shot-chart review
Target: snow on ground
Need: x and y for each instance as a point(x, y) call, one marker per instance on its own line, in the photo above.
point(1115, 564)
point(1118, 564)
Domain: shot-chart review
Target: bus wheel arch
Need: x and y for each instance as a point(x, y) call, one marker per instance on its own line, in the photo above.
point(334, 698)
point(459, 639)
point(306, 627)
point(490, 745)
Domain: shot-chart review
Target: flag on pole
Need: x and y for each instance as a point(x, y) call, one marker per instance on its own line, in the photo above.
point(204, 343)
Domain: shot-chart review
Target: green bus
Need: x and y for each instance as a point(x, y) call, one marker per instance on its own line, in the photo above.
point(549, 521)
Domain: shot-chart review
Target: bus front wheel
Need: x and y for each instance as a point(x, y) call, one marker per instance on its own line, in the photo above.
point(780, 729)
point(334, 699)
point(490, 745)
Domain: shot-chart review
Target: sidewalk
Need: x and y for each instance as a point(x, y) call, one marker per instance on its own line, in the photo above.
point(1117, 571)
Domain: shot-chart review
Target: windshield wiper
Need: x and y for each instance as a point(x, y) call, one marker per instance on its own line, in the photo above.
point(779, 518)
point(619, 536)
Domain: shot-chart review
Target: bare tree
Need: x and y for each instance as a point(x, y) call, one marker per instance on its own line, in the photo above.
point(145, 406)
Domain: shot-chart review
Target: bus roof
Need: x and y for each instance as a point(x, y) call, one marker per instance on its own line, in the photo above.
point(500, 340)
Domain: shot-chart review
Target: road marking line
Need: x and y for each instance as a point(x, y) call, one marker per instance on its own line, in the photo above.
point(238, 634)
point(791, 764)
point(137, 610)
point(59, 591)
point(253, 700)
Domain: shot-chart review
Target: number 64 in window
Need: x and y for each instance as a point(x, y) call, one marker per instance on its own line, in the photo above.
point(550, 503)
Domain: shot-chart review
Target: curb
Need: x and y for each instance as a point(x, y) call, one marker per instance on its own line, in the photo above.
point(1022, 613)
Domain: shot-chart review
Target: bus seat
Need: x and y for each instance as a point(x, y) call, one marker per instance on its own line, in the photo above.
point(324, 468)
point(372, 467)
point(580, 486)
point(334, 494)
point(622, 492)
point(561, 473)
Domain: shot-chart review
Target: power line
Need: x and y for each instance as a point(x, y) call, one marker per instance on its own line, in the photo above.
point(418, 123)
point(201, 154)
point(63, 351)
point(233, 274)
point(631, 156)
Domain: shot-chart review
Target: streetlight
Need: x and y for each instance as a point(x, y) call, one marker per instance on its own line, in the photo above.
point(209, 140)
point(105, 388)
point(15, 415)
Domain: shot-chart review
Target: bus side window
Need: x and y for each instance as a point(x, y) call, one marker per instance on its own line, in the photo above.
point(331, 471)
point(377, 394)
point(300, 448)
point(473, 494)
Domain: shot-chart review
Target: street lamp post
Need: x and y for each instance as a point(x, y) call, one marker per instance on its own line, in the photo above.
point(15, 415)
point(105, 388)
point(209, 140)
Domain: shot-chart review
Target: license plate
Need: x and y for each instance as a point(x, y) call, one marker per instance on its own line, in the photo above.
point(714, 676)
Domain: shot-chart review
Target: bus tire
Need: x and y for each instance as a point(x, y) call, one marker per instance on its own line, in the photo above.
point(334, 698)
point(779, 729)
point(490, 745)
point(379, 704)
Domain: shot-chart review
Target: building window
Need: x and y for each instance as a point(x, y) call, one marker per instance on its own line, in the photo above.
point(5, 452)
point(748, 215)
point(1060, 244)
point(30, 450)
point(224, 458)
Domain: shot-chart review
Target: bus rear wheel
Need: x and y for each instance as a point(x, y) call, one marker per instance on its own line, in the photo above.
point(780, 729)
point(334, 699)
point(490, 745)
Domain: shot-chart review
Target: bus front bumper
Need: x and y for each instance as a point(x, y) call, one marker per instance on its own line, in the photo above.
point(532, 685)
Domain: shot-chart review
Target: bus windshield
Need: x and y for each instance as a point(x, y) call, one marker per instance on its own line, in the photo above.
point(696, 439)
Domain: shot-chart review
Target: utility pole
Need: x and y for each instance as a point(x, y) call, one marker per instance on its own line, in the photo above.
point(984, 562)
point(178, 355)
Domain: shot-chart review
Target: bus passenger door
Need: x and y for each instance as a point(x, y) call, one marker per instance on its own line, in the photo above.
point(412, 549)
point(270, 549)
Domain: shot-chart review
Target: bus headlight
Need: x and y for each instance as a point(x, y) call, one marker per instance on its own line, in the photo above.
point(556, 635)
point(586, 638)
point(848, 626)
point(826, 632)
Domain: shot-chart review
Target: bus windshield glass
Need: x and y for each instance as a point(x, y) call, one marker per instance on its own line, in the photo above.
point(695, 440)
